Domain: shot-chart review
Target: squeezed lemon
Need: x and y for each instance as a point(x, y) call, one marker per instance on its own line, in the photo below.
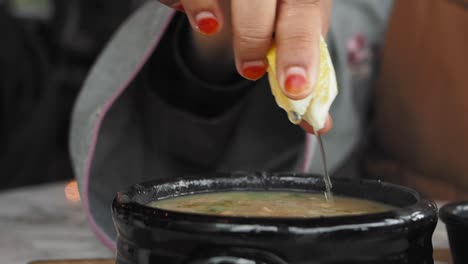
point(314, 108)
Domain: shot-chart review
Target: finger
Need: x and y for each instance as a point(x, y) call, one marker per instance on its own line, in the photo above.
point(253, 24)
point(205, 16)
point(178, 6)
point(309, 129)
point(298, 31)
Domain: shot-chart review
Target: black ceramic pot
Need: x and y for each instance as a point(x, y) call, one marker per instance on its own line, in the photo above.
point(153, 236)
point(455, 217)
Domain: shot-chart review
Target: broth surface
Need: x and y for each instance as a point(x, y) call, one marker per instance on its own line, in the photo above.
point(269, 204)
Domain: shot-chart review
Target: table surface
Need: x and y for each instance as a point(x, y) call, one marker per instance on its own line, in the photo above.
point(39, 223)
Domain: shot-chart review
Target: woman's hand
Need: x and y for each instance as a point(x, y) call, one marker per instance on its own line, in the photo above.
point(250, 25)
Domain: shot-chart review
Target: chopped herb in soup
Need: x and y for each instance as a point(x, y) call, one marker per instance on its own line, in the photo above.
point(269, 204)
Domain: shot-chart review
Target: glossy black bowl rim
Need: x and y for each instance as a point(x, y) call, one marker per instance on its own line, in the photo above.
point(423, 211)
point(450, 213)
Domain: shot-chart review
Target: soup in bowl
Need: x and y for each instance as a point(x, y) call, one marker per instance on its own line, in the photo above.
point(270, 204)
point(262, 218)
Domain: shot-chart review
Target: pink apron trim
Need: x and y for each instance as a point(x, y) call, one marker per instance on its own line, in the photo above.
point(103, 237)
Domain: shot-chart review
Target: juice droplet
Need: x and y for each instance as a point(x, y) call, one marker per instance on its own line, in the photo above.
point(294, 117)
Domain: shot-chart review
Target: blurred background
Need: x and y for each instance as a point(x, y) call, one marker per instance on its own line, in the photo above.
point(419, 132)
point(420, 112)
point(46, 50)
point(421, 102)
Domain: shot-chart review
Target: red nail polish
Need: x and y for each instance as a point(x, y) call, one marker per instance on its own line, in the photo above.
point(208, 25)
point(253, 72)
point(178, 7)
point(295, 84)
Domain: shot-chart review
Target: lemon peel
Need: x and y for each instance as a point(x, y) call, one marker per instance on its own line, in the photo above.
point(314, 108)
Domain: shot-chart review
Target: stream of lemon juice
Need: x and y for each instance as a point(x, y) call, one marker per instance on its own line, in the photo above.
point(295, 118)
point(326, 177)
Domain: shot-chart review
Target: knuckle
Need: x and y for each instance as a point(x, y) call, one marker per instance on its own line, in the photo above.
point(301, 3)
point(252, 36)
point(299, 41)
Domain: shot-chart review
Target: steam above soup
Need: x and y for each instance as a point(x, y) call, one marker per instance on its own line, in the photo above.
point(269, 204)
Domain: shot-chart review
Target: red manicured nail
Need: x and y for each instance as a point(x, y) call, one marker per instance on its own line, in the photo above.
point(207, 23)
point(296, 82)
point(178, 7)
point(253, 70)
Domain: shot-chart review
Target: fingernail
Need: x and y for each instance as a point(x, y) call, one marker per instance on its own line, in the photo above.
point(207, 23)
point(253, 70)
point(296, 81)
point(178, 7)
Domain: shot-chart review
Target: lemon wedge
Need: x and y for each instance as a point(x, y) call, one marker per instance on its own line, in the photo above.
point(314, 108)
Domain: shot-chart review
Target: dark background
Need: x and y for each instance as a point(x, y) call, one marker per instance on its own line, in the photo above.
point(46, 50)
